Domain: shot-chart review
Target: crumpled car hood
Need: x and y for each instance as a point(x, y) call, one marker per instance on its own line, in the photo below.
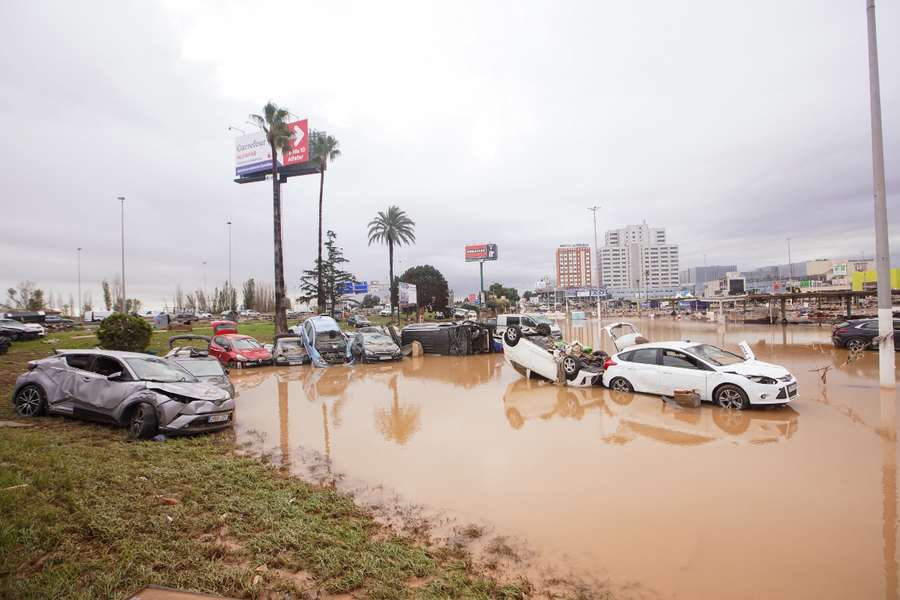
point(386, 347)
point(757, 367)
point(199, 390)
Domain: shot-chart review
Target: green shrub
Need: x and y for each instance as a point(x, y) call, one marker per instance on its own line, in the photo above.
point(124, 332)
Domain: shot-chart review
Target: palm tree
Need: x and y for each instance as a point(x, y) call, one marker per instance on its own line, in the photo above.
point(392, 228)
point(273, 122)
point(324, 149)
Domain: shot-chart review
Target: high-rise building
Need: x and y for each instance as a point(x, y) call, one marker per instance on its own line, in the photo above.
point(574, 267)
point(636, 261)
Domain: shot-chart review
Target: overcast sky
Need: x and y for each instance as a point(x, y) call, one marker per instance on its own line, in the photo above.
point(733, 124)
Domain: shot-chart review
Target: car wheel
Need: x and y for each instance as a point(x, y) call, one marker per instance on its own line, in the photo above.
point(731, 396)
point(570, 368)
point(620, 384)
point(30, 401)
point(511, 336)
point(856, 344)
point(142, 422)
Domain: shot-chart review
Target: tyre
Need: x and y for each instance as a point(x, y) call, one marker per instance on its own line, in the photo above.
point(142, 422)
point(857, 344)
point(731, 396)
point(570, 368)
point(511, 336)
point(30, 401)
point(620, 384)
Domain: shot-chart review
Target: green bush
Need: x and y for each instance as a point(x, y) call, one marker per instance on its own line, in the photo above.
point(124, 332)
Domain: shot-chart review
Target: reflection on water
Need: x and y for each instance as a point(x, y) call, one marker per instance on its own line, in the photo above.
point(691, 502)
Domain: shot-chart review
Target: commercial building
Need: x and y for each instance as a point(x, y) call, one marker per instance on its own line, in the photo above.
point(637, 262)
point(695, 278)
point(574, 267)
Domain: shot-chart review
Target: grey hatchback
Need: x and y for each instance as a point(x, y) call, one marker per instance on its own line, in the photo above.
point(145, 393)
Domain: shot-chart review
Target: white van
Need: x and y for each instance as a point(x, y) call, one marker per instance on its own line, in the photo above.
point(527, 324)
point(92, 316)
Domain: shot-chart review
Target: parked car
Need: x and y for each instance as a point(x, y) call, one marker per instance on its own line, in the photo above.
point(717, 375)
point(195, 359)
point(236, 350)
point(527, 325)
point(324, 340)
point(15, 330)
point(249, 314)
point(358, 321)
point(57, 322)
point(385, 312)
point(857, 335)
point(186, 318)
point(288, 350)
point(204, 315)
point(374, 345)
point(93, 316)
point(146, 394)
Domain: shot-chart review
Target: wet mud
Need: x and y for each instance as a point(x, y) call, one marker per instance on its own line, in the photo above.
point(620, 491)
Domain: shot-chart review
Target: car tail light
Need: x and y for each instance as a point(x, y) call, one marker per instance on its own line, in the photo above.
point(841, 330)
point(609, 363)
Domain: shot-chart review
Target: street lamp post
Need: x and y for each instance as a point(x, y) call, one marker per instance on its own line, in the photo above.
point(228, 224)
point(80, 306)
point(886, 372)
point(790, 264)
point(594, 210)
point(122, 201)
point(204, 278)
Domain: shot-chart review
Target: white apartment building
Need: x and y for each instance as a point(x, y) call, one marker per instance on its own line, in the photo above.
point(636, 261)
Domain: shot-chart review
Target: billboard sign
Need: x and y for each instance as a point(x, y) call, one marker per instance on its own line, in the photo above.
point(481, 252)
point(252, 154)
point(299, 150)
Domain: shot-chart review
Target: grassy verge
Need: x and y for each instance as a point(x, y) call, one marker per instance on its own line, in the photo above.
point(85, 514)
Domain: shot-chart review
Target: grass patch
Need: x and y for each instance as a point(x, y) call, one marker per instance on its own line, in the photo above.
point(101, 517)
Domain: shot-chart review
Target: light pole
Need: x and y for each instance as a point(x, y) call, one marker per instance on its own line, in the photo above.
point(886, 372)
point(80, 306)
point(122, 201)
point(594, 210)
point(790, 264)
point(228, 224)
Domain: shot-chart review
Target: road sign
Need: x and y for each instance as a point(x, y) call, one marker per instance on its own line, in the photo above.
point(481, 252)
point(299, 150)
point(361, 287)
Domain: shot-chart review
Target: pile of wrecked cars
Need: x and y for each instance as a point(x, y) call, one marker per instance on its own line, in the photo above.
point(236, 350)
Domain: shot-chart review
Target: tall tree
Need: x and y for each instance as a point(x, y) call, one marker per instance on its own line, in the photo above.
point(107, 295)
point(431, 286)
point(273, 122)
point(250, 294)
point(392, 228)
point(324, 149)
point(330, 273)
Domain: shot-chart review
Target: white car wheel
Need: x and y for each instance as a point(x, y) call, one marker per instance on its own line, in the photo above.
point(731, 396)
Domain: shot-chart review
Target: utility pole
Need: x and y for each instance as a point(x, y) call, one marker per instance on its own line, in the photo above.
point(80, 306)
point(204, 278)
point(124, 305)
point(228, 226)
point(882, 252)
point(483, 297)
point(594, 210)
point(790, 264)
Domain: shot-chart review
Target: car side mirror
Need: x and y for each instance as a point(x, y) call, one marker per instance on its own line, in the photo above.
point(114, 376)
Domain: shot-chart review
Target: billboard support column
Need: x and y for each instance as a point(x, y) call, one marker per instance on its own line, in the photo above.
point(481, 269)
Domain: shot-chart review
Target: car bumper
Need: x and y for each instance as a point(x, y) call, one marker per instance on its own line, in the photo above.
point(780, 393)
point(200, 423)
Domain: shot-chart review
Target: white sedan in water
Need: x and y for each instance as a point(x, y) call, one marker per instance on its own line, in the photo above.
point(729, 380)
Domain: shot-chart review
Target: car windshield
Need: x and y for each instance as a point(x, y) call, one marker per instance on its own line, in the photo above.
point(202, 367)
point(291, 344)
point(714, 355)
point(378, 338)
point(158, 369)
point(246, 344)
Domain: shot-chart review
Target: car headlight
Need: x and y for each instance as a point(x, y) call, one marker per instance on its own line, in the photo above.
point(761, 379)
point(240, 357)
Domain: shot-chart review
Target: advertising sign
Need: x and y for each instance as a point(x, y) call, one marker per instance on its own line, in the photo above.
point(252, 154)
point(480, 252)
point(299, 150)
point(472, 298)
point(839, 269)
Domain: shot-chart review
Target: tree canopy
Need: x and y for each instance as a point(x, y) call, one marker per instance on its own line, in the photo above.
point(431, 286)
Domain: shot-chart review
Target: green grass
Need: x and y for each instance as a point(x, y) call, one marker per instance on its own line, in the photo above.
point(94, 519)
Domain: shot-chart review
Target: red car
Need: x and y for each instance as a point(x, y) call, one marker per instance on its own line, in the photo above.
point(236, 350)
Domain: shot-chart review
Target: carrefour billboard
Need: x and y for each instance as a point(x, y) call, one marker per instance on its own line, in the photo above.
point(254, 155)
point(480, 252)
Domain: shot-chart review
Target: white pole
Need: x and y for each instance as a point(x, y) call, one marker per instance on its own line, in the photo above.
point(594, 210)
point(80, 306)
point(122, 200)
point(886, 359)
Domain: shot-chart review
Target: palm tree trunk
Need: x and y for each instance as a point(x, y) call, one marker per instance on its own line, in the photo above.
point(321, 288)
point(391, 273)
point(280, 317)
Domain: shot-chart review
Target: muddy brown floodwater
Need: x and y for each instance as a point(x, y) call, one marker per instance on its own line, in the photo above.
point(797, 502)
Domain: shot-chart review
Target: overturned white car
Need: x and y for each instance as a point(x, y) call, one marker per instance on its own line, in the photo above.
point(546, 357)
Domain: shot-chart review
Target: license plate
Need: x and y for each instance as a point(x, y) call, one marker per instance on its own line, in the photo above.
point(296, 361)
point(384, 358)
point(218, 418)
point(792, 389)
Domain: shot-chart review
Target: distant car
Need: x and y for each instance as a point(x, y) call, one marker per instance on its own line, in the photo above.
point(144, 393)
point(186, 318)
point(204, 315)
point(323, 339)
point(236, 350)
point(15, 330)
point(249, 314)
point(857, 335)
point(527, 324)
point(358, 321)
point(717, 375)
point(385, 312)
point(460, 313)
point(93, 316)
point(374, 345)
point(58, 322)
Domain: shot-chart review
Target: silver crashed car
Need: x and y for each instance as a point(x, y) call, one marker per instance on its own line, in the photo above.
point(145, 393)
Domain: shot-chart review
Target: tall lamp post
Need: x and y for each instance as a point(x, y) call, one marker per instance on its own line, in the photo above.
point(122, 201)
point(790, 264)
point(594, 210)
point(886, 359)
point(228, 225)
point(80, 306)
